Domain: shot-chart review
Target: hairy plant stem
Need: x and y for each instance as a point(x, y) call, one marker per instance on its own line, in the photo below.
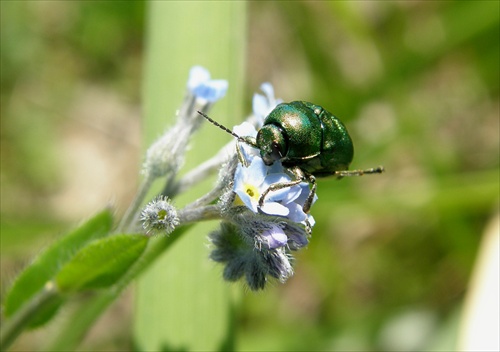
point(208, 212)
point(11, 328)
point(132, 211)
point(208, 167)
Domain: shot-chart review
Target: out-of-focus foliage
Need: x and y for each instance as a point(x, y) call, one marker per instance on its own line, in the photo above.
point(45, 267)
point(417, 85)
point(70, 83)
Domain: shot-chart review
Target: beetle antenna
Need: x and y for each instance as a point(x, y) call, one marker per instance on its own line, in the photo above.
point(222, 127)
point(375, 170)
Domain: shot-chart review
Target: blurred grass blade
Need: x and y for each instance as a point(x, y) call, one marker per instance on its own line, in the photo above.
point(182, 301)
point(47, 264)
point(101, 263)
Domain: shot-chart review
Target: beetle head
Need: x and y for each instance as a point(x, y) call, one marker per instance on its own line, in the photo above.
point(272, 142)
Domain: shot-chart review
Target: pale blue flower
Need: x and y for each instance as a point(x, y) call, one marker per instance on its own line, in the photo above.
point(295, 207)
point(252, 181)
point(262, 105)
point(284, 195)
point(204, 88)
point(249, 184)
point(246, 129)
point(197, 75)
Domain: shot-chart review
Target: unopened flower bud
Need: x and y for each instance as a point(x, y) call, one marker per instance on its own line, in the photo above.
point(159, 216)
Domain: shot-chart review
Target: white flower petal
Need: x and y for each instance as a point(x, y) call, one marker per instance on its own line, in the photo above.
point(311, 220)
point(256, 172)
point(197, 75)
point(268, 90)
point(245, 129)
point(273, 208)
point(260, 107)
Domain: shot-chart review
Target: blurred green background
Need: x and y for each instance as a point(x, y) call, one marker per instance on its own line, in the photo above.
point(416, 83)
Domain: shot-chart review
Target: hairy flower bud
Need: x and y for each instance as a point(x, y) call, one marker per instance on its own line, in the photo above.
point(159, 216)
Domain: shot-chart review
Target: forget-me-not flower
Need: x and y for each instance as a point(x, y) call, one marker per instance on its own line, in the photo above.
point(262, 105)
point(250, 182)
point(204, 88)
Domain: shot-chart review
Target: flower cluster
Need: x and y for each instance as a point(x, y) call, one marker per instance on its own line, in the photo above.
point(252, 181)
point(256, 240)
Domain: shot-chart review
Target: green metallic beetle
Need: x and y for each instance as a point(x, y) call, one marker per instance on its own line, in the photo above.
point(308, 140)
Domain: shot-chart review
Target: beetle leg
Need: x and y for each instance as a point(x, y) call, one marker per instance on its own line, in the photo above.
point(308, 227)
point(247, 140)
point(276, 187)
point(239, 152)
point(375, 170)
point(310, 197)
point(299, 177)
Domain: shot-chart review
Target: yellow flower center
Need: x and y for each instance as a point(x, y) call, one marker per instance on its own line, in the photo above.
point(252, 191)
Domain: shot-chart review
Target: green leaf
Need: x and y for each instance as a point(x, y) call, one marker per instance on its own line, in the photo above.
point(48, 263)
point(101, 263)
point(85, 316)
